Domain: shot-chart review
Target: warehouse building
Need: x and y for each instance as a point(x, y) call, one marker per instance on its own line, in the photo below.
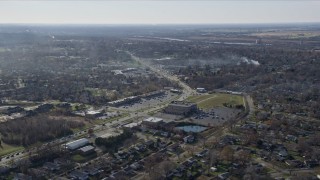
point(77, 144)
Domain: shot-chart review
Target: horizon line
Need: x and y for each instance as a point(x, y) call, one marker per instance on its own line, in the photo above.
point(161, 24)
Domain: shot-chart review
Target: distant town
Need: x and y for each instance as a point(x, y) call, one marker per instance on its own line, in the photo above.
point(161, 102)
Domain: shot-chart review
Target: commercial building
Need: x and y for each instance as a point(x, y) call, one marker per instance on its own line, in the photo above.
point(152, 121)
point(124, 101)
point(201, 90)
point(87, 150)
point(77, 144)
point(131, 126)
point(181, 108)
point(93, 114)
point(153, 94)
point(175, 91)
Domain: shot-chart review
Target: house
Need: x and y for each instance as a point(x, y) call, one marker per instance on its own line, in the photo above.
point(224, 175)
point(140, 148)
point(20, 176)
point(291, 138)
point(118, 175)
point(283, 153)
point(79, 175)
point(61, 161)
point(121, 155)
point(91, 171)
point(228, 140)
point(132, 151)
point(202, 153)
point(150, 144)
point(294, 163)
point(189, 139)
point(173, 147)
point(51, 166)
point(128, 170)
point(164, 134)
point(311, 163)
point(136, 166)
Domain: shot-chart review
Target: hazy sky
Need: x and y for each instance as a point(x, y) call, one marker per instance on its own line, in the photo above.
point(159, 12)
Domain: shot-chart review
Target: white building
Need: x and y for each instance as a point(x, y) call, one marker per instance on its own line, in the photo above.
point(201, 90)
point(73, 145)
point(152, 121)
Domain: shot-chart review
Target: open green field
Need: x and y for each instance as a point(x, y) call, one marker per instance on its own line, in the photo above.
point(80, 158)
point(3, 49)
point(7, 149)
point(216, 100)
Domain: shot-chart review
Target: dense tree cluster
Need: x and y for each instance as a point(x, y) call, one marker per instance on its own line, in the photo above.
point(113, 141)
point(67, 67)
point(26, 131)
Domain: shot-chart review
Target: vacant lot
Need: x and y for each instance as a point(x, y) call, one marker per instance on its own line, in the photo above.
point(7, 149)
point(216, 100)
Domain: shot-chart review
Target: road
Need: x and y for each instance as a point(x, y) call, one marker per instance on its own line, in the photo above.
point(133, 115)
point(186, 90)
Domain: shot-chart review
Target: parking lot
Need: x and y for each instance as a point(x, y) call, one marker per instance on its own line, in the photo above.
point(215, 116)
point(149, 102)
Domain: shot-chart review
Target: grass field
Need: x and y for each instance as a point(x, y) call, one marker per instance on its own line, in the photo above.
point(3, 49)
point(216, 100)
point(80, 159)
point(7, 149)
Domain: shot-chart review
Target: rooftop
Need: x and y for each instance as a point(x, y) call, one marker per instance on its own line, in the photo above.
point(86, 148)
point(77, 143)
point(153, 119)
point(131, 125)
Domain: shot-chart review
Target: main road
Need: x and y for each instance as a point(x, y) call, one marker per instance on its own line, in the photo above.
point(186, 90)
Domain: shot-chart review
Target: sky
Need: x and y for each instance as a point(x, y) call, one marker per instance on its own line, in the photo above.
point(159, 12)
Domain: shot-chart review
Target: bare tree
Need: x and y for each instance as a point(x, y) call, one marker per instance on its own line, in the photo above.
point(227, 153)
point(165, 167)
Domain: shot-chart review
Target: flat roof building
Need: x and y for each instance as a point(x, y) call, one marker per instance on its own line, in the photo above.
point(153, 94)
point(73, 145)
point(87, 150)
point(181, 108)
point(201, 90)
point(152, 121)
point(124, 101)
point(131, 125)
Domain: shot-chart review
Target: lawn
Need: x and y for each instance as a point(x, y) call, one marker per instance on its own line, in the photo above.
point(7, 149)
point(3, 49)
point(80, 158)
point(216, 100)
